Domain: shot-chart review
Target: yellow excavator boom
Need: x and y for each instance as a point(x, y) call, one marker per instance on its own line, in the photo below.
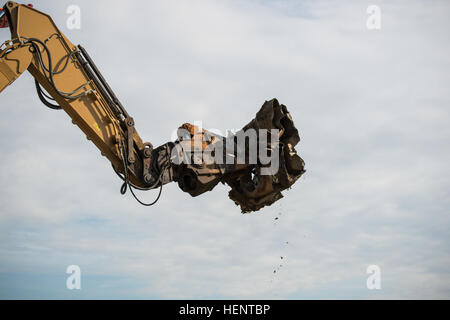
point(67, 78)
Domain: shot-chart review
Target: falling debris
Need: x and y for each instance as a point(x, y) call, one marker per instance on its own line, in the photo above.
point(281, 263)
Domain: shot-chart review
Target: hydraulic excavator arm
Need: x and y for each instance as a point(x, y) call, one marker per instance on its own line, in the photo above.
point(66, 78)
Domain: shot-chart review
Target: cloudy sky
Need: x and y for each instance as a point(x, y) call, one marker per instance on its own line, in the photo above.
point(373, 111)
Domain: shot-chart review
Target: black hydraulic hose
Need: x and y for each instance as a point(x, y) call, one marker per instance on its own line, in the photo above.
point(127, 182)
point(86, 67)
point(50, 72)
point(102, 80)
point(41, 95)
